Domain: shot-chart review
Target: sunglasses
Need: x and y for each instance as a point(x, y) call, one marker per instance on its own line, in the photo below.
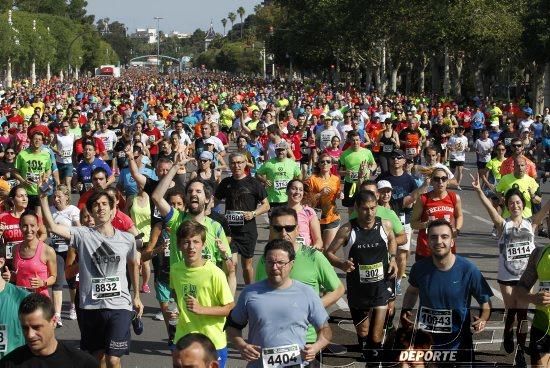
point(442, 179)
point(287, 228)
point(322, 162)
point(517, 145)
point(204, 161)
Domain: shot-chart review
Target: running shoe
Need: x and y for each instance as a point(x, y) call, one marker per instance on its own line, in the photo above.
point(508, 341)
point(145, 289)
point(72, 313)
point(520, 361)
point(159, 316)
point(398, 290)
point(59, 322)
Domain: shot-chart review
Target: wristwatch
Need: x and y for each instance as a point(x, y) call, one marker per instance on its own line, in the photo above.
point(253, 214)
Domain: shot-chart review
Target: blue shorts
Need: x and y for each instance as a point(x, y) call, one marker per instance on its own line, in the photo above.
point(222, 356)
point(105, 330)
point(163, 292)
point(65, 170)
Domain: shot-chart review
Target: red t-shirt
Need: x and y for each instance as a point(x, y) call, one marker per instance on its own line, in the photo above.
point(154, 135)
point(433, 210)
point(79, 149)
point(12, 232)
point(295, 142)
point(122, 221)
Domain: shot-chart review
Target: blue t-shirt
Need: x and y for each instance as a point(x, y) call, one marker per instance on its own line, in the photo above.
point(190, 120)
point(278, 317)
point(403, 185)
point(84, 171)
point(478, 120)
point(450, 290)
point(127, 182)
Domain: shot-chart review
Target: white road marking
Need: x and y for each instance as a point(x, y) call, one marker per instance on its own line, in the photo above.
point(478, 217)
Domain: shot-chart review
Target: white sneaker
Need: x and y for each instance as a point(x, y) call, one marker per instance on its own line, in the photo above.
point(58, 323)
point(72, 314)
point(158, 317)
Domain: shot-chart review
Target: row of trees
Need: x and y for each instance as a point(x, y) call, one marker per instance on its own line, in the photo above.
point(232, 17)
point(50, 31)
point(451, 47)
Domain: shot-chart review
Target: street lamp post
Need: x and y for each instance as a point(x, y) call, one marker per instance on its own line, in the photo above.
point(9, 79)
point(158, 42)
point(33, 66)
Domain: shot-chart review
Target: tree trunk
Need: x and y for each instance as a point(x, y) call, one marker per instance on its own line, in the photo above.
point(368, 76)
point(383, 75)
point(546, 101)
point(537, 86)
point(446, 73)
point(478, 75)
point(435, 75)
point(377, 80)
point(394, 71)
point(422, 74)
point(458, 80)
point(408, 78)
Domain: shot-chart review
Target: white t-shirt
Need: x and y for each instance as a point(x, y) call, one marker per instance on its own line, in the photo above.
point(483, 149)
point(108, 138)
point(66, 217)
point(457, 147)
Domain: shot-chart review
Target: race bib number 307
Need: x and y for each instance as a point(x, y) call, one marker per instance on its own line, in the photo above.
point(105, 288)
point(435, 320)
point(282, 356)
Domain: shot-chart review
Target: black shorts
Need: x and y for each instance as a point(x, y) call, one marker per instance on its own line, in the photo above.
point(244, 243)
point(454, 164)
point(539, 343)
point(60, 279)
point(105, 330)
point(359, 315)
point(348, 201)
point(508, 283)
point(481, 165)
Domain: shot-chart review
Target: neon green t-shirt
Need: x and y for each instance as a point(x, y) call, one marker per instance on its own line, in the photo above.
point(279, 173)
point(351, 160)
point(386, 214)
point(541, 320)
point(226, 117)
point(32, 166)
point(523, 184)
point(312, 268)
point(208, 285)
point(494, 167)
point(214, 231)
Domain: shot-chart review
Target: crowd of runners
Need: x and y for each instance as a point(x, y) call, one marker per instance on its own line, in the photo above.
point(105, 181)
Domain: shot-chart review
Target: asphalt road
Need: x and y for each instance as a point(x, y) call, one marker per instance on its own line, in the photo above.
point(475, 242)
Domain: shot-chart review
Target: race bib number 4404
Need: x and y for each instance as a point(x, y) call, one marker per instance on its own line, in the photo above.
point(282, 357)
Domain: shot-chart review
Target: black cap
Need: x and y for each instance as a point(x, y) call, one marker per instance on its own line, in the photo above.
point(86, 128)
point(397, 153)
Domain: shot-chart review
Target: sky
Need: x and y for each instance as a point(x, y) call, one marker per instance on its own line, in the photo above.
point(179, 15)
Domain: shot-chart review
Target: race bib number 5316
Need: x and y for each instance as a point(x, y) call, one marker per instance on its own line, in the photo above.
point(282, 357)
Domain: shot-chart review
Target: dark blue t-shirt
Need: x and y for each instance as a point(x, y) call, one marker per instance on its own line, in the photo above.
point(444, 291)
point(402, 186)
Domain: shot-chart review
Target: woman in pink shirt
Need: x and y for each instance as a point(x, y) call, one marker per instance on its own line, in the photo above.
point(309, 229)
point(334, 152)
point(34, 261)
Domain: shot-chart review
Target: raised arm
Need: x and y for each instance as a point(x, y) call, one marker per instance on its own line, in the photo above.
point(60, 230)
point(158, 194)
point(493, 213)
point(134, 169)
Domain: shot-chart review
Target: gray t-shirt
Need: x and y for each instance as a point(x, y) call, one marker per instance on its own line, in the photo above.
point(278, 317)
point(102, 262)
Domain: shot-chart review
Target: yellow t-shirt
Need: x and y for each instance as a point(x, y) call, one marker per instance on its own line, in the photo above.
point(208, 285)
point(508, 181)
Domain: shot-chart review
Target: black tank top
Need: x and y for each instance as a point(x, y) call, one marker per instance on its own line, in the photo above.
point(386, 144)
point(369, 250)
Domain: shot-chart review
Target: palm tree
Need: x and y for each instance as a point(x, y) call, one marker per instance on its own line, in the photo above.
point(232, 16)
point(224, 23)
point(241, 12)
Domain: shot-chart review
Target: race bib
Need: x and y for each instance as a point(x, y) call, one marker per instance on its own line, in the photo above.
point(282, 356)
point(9, 249)
point(300, 240)
point(121, 154)
point(3, 338)
point(402, 218)
point(410, 151)
point(34, 177)
point(435, 320)
point(544, 286)
point(518, 250)
point(280, 184)
point(88, 186)
point(235, 218)
point(66, 153)
point(387, 148)
point(371, 273)
point(105, 287)
point(507, 141)
point(354, 175)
